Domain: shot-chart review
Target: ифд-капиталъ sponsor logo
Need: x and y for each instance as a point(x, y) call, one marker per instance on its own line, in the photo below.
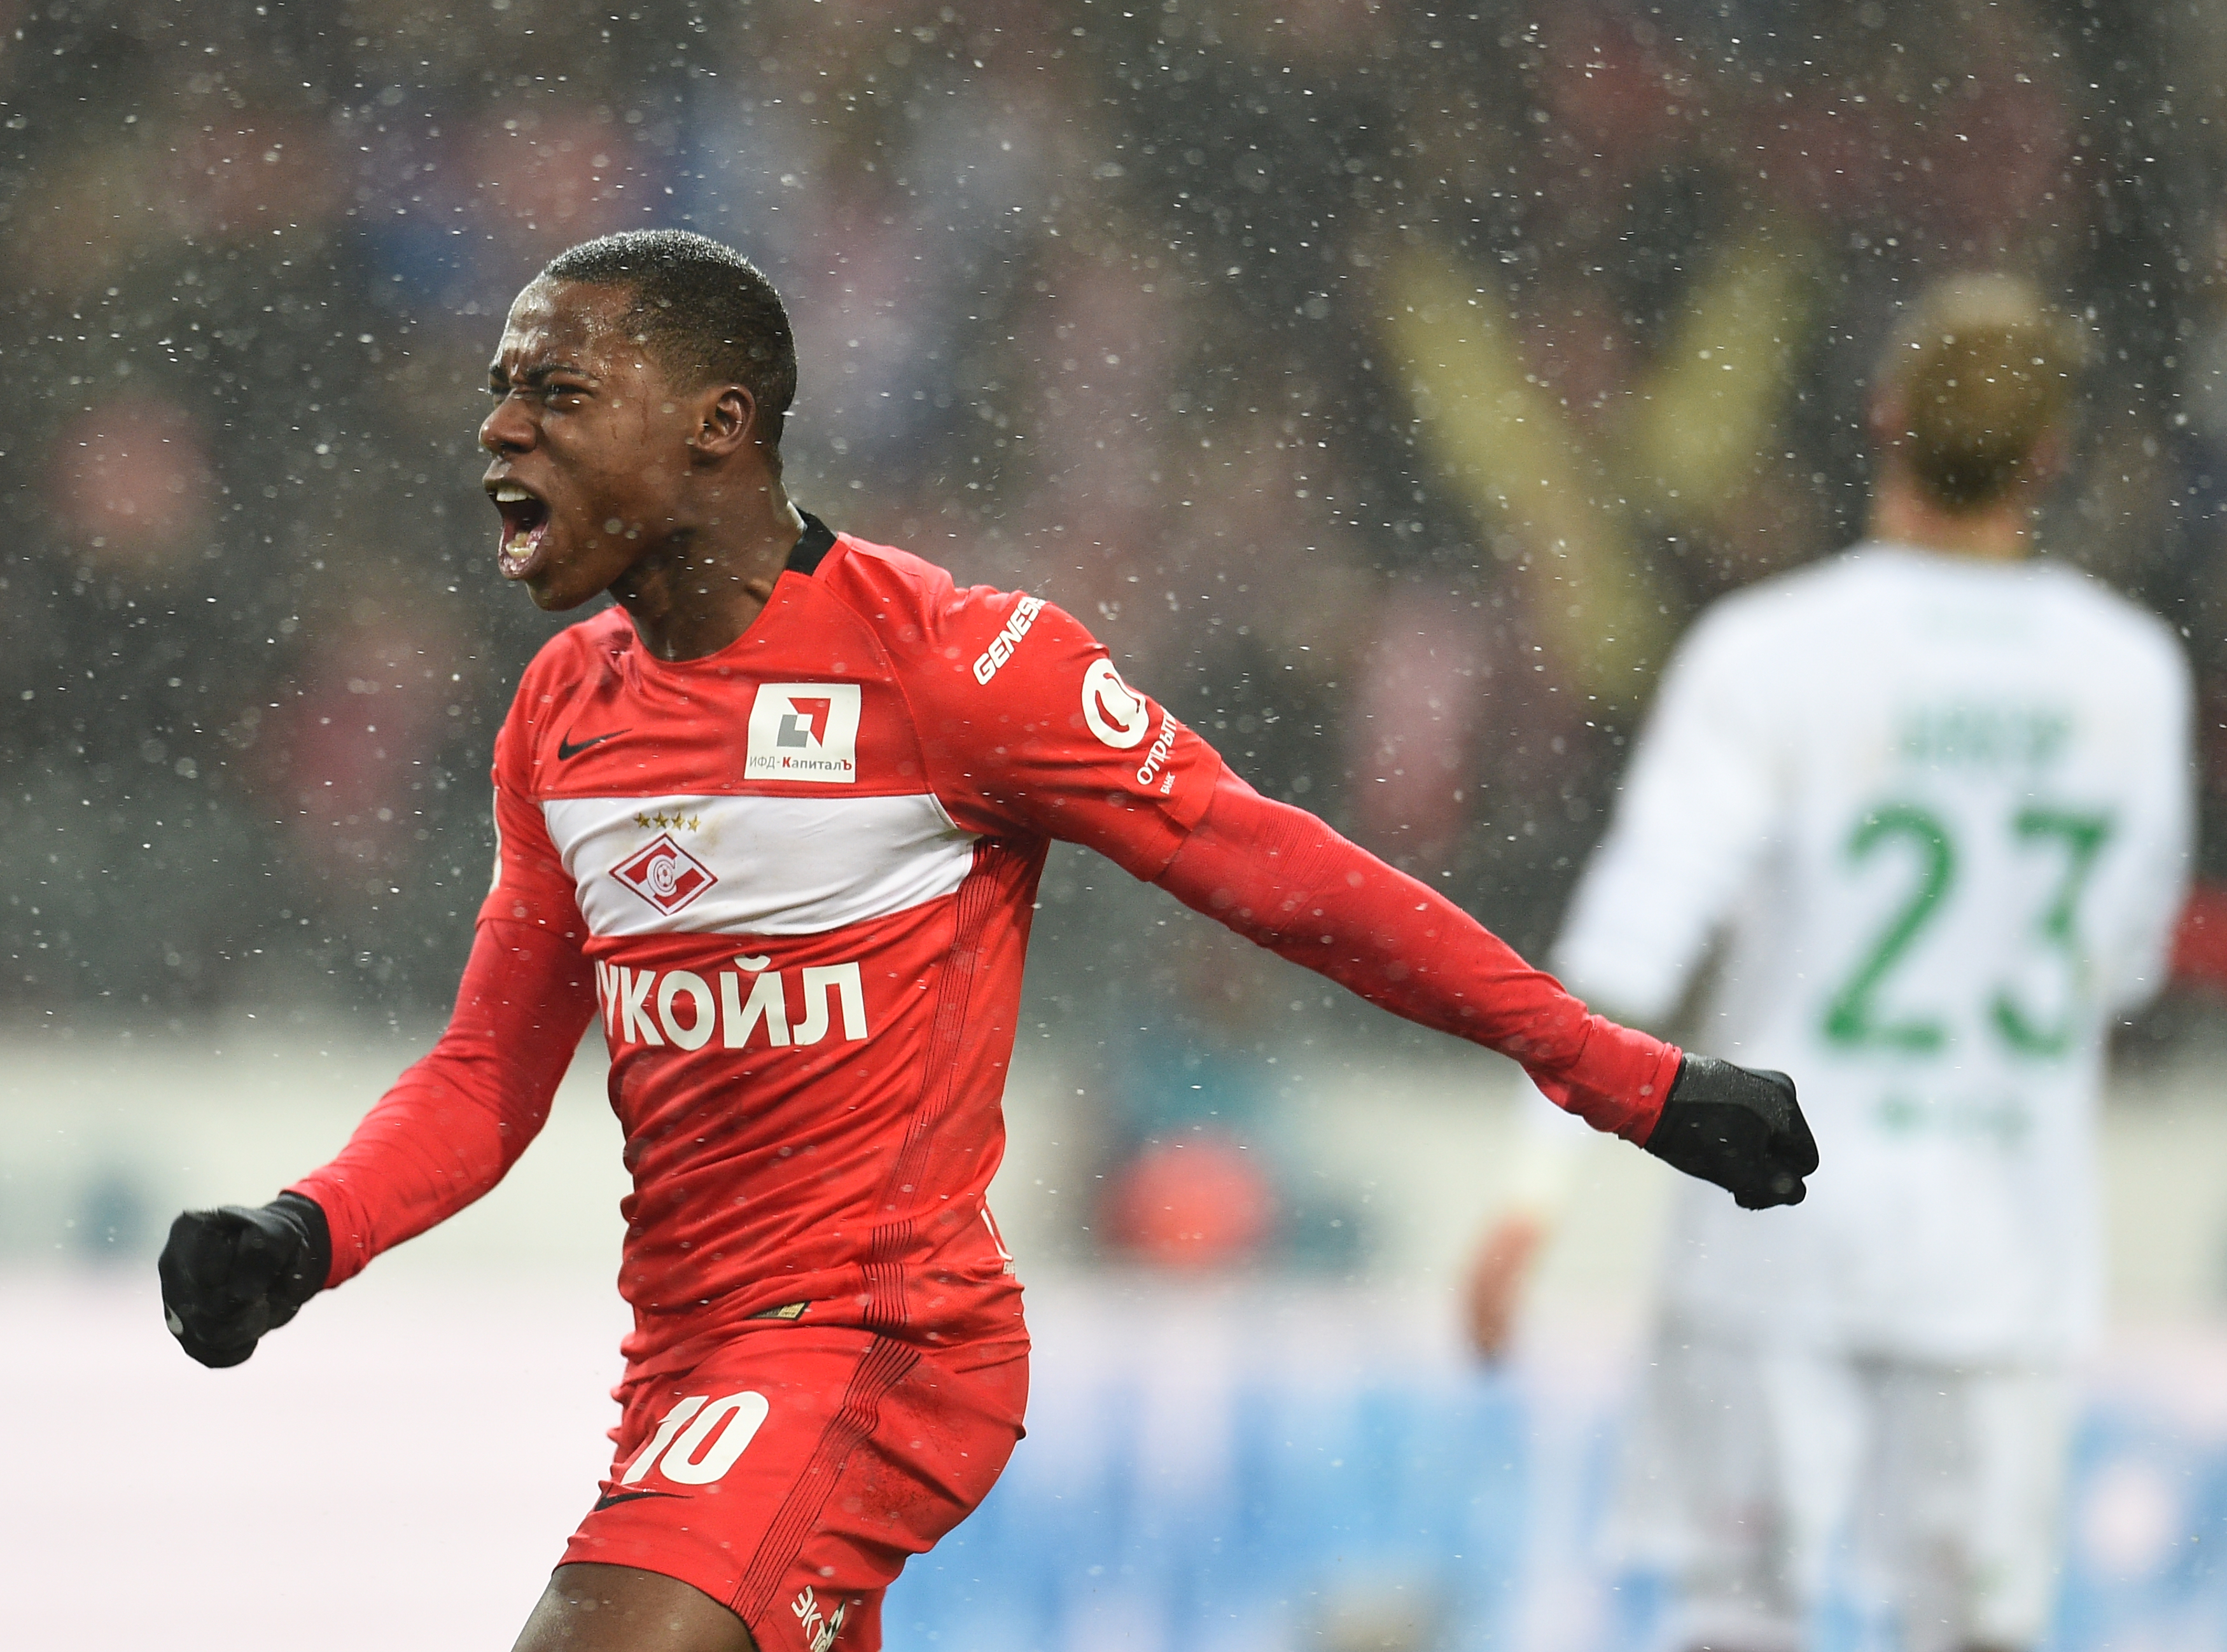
point(804, 732)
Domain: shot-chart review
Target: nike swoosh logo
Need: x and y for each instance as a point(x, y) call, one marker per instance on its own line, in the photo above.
point(566, 750)
point(612, 1499)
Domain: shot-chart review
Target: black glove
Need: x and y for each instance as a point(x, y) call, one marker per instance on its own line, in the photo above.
point(230, 1275)
point(1741, 1129)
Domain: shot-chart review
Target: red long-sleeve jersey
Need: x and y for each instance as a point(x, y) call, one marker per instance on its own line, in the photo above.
point(796, 878)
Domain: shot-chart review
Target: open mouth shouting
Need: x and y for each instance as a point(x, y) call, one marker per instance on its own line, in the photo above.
point(525, 525)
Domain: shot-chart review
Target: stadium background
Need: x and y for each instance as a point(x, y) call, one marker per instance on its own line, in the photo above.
point(1147, 309)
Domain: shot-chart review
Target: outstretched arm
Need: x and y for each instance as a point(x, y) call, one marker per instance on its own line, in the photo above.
point(447, 1132)
point(1041, 735)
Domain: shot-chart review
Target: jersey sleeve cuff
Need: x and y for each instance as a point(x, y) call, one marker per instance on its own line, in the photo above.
point(350, 1236)
point(1620, 1083)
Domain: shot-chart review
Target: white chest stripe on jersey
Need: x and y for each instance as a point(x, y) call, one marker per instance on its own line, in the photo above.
point(753, 866)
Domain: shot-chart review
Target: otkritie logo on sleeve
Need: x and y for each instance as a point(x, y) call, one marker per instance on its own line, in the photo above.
point(1116, 713)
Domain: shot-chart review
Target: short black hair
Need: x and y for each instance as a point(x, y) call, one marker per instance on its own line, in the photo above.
point(703, 310)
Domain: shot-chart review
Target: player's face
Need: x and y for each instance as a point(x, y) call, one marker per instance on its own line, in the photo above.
point(590, 444)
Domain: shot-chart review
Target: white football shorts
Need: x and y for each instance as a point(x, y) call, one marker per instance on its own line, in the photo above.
point(1757, 1477)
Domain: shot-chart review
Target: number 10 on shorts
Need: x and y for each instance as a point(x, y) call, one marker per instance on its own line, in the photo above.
point(705, 1451)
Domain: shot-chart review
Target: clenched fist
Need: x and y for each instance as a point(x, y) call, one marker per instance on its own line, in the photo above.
point(1741, 1129)
point(230, 1274)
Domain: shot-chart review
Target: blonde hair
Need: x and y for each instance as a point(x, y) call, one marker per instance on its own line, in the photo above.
point(1978, 372)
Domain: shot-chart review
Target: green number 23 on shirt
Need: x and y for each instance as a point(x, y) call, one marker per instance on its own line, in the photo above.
point(1851, 1016)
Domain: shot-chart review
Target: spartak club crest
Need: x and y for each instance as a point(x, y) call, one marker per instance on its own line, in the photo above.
point(665, 874)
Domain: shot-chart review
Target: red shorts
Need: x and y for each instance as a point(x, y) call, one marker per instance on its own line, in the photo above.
point(791, 1472)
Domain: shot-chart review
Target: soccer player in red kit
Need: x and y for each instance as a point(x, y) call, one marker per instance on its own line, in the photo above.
point(777, 819)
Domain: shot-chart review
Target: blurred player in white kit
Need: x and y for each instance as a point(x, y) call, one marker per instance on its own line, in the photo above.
point(1926, 804)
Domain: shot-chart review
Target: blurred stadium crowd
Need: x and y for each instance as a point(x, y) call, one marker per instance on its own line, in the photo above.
point(1387, 382)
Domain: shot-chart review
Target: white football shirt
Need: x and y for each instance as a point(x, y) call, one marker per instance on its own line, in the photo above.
point(1934, 812)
